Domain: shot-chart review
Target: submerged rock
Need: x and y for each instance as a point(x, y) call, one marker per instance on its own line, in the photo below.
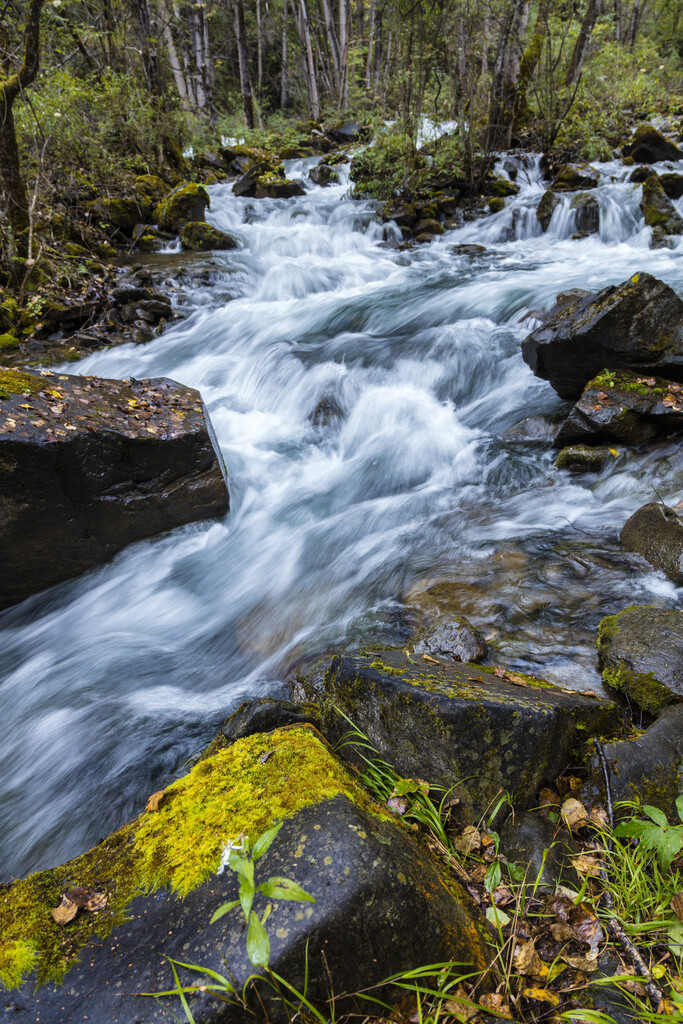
point(656, 532)
point(579, 458)
point(202, 237)
point(187, 202)
point(641, 652)
point(479, 730)
point(649, 146)
point(90, 465)
point(368, 877)
point(618, 406)
point(448, 637)
point(637, 325)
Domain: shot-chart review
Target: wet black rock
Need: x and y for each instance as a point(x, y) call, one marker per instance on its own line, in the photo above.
point(454, 638)
point(618, 406)
point(89, 465)
point(264, 715)
point(245, 186)
point(271, 186)
point(532, 428)
point(672, 184)
point(327, 413)
point(542, 849)
point(579, 458)
point(586, 213)
point(640, 174)
point(572, 177)
point(637, 325)
point(649, 146)
point(655, 531)
point(547, 206)
point(641, 653)
point(461, 726)
point(202, 237)
point(323, 174)
point(659, 212)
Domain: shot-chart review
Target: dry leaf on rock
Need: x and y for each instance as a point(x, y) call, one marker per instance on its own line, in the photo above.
point(574, 813)
point(65, 912)
point(497, 1003)
point(586, 864)
point(461, 1004)
point(97, 901)
point(469, 842)
point(586, 926)
point(561, 931)
point(599, 816)
point(526, 959)
point(548, 798)
point(499, 672)
point(154, 802)
point(543, 995)
point(580, 963)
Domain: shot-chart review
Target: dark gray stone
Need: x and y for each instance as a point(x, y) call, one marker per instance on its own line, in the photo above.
point(381, 906)
point(655, 531)
point(649, 146)
point(579, 458)
point(245, 186)
point(454, 638)
point(541, 848)
point(641, 651)
point(623, 407)
point(93, 465)
point(572, 177)
point(637, 325)
point(461, 726)
point(546, 207)
point(658, 211)
point(586, 213)
point(323, 175)
point(264, 715)
point(532, 428)
point(672, 184)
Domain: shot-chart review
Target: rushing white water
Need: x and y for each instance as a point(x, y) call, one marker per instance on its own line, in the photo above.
point(111, 682)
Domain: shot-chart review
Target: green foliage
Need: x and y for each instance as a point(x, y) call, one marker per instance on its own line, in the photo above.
point(383, 168)
point(656, 834)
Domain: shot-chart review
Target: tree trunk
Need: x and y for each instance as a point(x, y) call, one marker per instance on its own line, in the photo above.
point(283, 80)
point(343, 54)
point(11, 180)
point(506, 76)
point(313, 101)
point(582, 42)
point(332, 39)
point(150, 60)
point(634, 23)
point(371, 46)
point(174, 60)
point(243, 59)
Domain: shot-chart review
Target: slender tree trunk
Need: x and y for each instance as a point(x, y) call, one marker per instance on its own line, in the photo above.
point(259, 47)
point(182, 20)
point(174, 60)
point(311, 75)
point(371, 46)
point(343, 53)
point(582, 42)
point(634, 22)
point(332, 39)
point(283, 79)
point(207, 70)
point(506, 76)
point(243, 59)
point(150, 61)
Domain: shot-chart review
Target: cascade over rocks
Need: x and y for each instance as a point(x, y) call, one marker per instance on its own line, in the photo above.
point(656, 532)
point(478, 729)
point(641, 652)
point(368, 877)
point(90, 465)
point(618, 406)
point(637, 325)
point(649, 146)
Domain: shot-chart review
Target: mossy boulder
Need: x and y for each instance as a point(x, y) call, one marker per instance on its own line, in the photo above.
point(186, 203)
point(546, 207)
point(122, 212)
point(381, 903)
point(324, 175)
point(622, 407)
point(579, 458)
point(273, 186)
point(636, 325)
point(572, 177)
point(151, 189)
point(496, 204)
point(656, 532)
point(672, 184)
point(239, 158)
point(88, 466)
point(586, 211)
point(470, 727)
point(501, 187)
point(658, 211)
point(648, 767)
point(202, 237)
point(649, 146)
point(246, 185)
point(641, 653)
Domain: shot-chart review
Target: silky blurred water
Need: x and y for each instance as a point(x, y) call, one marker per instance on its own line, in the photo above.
point(111, 682)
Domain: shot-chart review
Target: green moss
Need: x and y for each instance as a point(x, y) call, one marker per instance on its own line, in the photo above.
point(643, 688)
point(185, 203)
point(14, 382)
point(496, 204)
point(9, 341)
point(242, 789)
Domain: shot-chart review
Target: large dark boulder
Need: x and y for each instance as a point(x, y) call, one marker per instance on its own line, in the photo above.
point(88, 466)
point(618, 406)
point(637, 325)
point(649, 146)
point(382, 904)
point(273, 186)
point(546, 207)
point(672, 184)
point(463, 727)
point(648, 767)
point(659, 212)
point(187, 202)
point(586, 213)
point(202, 237)
point(656, 532)
point(641, 653)
point(323, 175)
point(572, 177)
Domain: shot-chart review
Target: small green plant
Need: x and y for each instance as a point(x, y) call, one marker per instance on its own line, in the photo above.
point(656, 834)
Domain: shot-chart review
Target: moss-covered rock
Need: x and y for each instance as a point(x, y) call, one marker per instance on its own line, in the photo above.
point(151, 189)
point(88, 466)
point(8, 341)
point(239, 158)
point(502, 188)
point(273, 186)
point(641, 653)
point(185, 203)
point(572, 177)
point(121, 212)
point(659, 212)
point(367, 876)
point(202, 237)
point(496, 204)
point(579, 458)
point(637, 326)
point(247, 184)
point(470, 727)
point(672, 183)
point(586, 213)
point(656, 532)
point(547, 206)
point(324, 175)
point(649, 146)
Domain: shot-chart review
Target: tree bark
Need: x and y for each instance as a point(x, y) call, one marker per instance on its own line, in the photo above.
point(582, 42)
point(243, 59)
point(506, 76)
point(174, 60)
point(313, 101)
point(634, 23)
point(150, 60)
point(283, 80)
point(11, 180)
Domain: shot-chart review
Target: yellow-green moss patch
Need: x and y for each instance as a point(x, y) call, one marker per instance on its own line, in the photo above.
point(14, 382)
point(244, 788)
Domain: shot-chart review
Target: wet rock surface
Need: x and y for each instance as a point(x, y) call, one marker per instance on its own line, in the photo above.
point(572, 177)
point(454, 638)
point(659, 212)
point(461, 725)
point(656, 532)
point(542, 849)
point(623, 407)
point(586, 213)
point(649, 146)
point(263, 715)
point(641, 653)
point(580, 458)
point(637, 325)
point(90, 465)
point(202, 237)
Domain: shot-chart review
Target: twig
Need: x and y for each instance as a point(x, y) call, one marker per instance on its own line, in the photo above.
point(651, 987)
